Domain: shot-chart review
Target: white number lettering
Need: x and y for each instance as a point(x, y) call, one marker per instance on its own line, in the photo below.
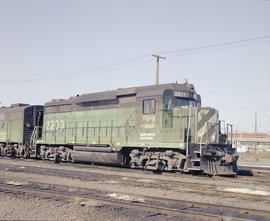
point(57, 125)
point(62, 124)
point(48, 125)
point(52, 125)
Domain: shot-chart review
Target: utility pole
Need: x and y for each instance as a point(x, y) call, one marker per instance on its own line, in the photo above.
point(256, 136)
point(255, 124)
point(157, 66)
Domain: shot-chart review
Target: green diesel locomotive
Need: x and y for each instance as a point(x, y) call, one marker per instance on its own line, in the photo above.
point(17, 123)
point(159, 127)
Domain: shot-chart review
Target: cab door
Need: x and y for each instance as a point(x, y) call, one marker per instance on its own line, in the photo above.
point(147, 122)
point(167, 109)
point(167, 113)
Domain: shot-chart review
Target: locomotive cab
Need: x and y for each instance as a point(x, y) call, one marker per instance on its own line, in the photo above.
point(200, 138)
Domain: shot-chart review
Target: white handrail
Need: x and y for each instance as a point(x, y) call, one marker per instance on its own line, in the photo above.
point(201, 140)
point(188, 131)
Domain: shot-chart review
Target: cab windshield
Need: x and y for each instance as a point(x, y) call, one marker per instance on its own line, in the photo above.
point(183, 102)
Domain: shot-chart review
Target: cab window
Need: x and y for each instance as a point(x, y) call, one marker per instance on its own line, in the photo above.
point(149, 106)
point(182, 102)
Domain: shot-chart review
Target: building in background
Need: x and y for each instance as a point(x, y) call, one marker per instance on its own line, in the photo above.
point(251, 141)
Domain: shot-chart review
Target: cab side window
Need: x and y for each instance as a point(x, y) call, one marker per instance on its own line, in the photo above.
point(149, 106)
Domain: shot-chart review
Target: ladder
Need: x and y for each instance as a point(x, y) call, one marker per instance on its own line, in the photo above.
point(194, 162)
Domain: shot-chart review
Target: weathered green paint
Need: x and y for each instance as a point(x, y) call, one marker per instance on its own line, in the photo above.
point(17, 123)
point(124, 127)
point(206, 117)
point(11, 131)
point(88, 127)
point(11, 125)
point(207, 125)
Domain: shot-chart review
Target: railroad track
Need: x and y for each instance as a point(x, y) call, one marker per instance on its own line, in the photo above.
point(260, 178)
point(187, 208)
point(121, 169)
point(134, 178)
point(153, 182)
point(177, 183)
point(258, 169)
point(206, 185)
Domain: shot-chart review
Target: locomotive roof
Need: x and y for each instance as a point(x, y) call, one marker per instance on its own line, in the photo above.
point(16, 111)
point(16, 108)
point(143, 91)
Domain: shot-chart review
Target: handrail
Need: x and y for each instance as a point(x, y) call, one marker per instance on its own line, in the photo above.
point(188, 132)
point(33, 139)
point(231, 126)
point(201, 139)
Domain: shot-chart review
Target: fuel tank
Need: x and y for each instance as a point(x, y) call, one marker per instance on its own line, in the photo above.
point(112, 158)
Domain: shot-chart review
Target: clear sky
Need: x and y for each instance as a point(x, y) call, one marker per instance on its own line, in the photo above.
point(60, 48)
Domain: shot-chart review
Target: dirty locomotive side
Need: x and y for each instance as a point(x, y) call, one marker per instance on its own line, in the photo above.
point(160, 127)
point(17, 123)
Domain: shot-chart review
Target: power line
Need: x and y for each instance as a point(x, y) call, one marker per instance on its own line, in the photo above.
point(142, 59)
point(217, 49)
point(86, 74)
point(83, 73)
point(229, 43)
point(87, 71)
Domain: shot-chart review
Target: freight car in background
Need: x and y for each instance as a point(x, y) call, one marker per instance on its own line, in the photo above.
point(159, 127)
point(17, 123)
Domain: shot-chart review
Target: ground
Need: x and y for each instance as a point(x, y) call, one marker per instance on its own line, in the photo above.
point(255, 159)
point(20, 205)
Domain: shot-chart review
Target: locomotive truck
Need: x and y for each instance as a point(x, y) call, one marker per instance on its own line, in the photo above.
point(157, 127)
